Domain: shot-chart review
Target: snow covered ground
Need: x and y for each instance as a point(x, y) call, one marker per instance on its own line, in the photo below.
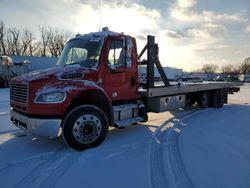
point(183, 148)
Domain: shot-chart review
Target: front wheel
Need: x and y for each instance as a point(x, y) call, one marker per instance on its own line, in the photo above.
point(86, 127)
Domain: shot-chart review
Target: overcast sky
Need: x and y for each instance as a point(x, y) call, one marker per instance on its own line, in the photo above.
point(190, 33)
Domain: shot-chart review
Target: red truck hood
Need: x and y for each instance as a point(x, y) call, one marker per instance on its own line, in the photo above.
point(48, 74)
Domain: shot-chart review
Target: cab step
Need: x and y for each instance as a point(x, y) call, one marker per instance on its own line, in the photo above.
point(126, 122)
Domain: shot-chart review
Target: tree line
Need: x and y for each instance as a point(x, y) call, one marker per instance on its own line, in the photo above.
point(49, 42)
point(243, 68)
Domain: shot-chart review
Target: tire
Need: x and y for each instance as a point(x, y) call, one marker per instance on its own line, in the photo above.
point(218, 98)
point(85, 127)
point(204, 100)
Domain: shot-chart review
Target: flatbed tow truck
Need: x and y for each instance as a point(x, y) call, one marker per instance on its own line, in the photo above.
point(96, 85)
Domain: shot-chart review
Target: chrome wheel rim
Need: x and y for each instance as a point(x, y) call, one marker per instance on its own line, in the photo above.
point(87, 128)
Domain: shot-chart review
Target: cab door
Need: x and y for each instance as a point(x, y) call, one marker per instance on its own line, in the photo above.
point(120, 81)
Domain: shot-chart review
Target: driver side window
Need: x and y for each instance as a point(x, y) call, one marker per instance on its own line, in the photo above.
point(115, 58)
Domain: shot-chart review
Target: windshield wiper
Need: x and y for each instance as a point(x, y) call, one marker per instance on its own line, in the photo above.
point(75, 63)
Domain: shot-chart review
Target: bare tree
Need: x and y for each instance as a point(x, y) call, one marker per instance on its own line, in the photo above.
point(57, 41)
point(245, 66)
point(14, 41)
point(34, 47)
point(230, 69)
point(46, 34)
point(27, 43)
point(197, 71)
point(209, 68)
point(2, 39)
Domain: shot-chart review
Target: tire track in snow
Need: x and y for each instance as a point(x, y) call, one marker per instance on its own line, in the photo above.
point(57, 171)
point(165, 163)
point(12, 166)
point(42, 168)
point(157, 175)
point(12, 131)
point(172, 162)
point(49, 168)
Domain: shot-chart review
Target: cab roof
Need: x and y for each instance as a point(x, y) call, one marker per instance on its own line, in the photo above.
point(98, 35)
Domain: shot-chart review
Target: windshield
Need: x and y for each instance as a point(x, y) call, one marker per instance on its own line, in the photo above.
point(81, 52)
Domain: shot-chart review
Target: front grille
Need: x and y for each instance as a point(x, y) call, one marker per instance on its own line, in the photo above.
point(19, 92)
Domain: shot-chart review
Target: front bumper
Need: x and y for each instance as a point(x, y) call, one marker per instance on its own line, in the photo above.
point(35, 126)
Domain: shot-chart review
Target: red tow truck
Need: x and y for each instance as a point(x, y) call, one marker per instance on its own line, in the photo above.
point(95, 85)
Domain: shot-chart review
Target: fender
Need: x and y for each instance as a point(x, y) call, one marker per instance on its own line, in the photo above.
point(81, 92)
point(78, 92)
point(88, 92)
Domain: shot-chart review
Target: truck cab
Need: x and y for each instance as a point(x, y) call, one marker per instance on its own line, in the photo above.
point(93, 86)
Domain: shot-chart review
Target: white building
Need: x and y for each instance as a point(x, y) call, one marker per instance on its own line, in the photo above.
point(172, 73)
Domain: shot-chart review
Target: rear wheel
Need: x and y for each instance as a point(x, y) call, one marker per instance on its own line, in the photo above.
point(86, 127)
point(204, 100)
point(218, 98)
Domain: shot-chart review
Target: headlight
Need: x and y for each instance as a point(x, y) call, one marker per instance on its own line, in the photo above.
point(53, 97)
